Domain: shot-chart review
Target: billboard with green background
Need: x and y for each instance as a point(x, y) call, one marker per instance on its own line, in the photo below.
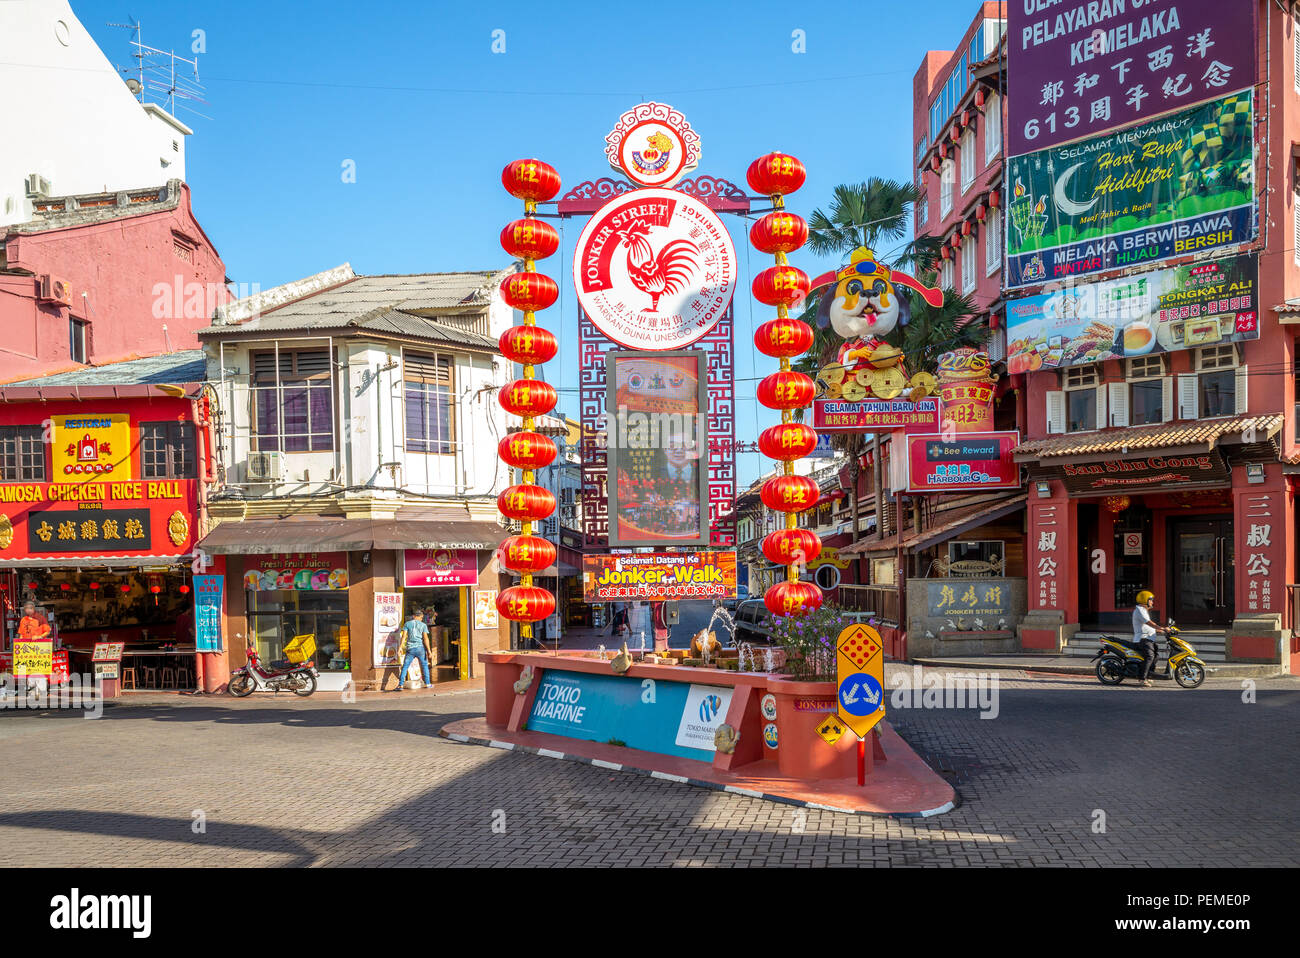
point(1176, 185)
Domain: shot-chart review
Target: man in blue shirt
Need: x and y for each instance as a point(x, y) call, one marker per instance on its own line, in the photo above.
point(415, 643)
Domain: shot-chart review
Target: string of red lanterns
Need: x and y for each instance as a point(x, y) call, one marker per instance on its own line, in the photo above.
point(529, 291)
point(781, 232)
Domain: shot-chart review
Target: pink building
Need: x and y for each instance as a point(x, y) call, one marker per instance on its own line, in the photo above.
point(102, 278)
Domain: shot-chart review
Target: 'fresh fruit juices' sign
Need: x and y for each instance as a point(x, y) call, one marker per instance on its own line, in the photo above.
point(1198, 304)
point(1180, 184)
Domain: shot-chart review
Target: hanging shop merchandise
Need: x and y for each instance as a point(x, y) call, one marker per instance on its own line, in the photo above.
point(528, 291)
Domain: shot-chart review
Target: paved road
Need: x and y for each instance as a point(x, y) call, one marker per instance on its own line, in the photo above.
point(1184, 778)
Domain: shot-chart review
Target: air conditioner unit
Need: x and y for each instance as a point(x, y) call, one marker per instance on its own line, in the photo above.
point(37, 185)
point(265, 466)
point(54, 290)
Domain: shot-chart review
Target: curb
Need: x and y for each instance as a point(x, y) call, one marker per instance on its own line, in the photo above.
point(1212, 669)
point(684, 780)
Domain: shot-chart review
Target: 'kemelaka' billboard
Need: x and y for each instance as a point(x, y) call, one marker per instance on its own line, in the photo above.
point(1076, 68)
point(1181, 184)
point(1197, 304)
point(659, 575)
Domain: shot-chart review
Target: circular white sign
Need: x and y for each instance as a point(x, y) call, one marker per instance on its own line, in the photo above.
point(768, 706)
point(652, 154)
point(655, 269)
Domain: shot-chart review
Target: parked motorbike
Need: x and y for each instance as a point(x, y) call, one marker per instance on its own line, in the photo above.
point(296, 677)
point(1119, 659)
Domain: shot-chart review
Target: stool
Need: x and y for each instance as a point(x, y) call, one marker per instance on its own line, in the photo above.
point(128, 679)
point(151, 676)
point(168, 677)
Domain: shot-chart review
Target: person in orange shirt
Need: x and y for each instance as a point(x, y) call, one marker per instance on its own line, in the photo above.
point(33, 624)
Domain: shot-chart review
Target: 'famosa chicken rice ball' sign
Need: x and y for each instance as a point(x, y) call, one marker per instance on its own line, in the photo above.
point(655, 269)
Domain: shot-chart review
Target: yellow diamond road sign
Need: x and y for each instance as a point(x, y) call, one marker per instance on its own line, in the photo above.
point(831, 729)
point(861, 672)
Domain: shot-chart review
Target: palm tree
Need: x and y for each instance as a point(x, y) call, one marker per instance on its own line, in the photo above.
point(869, 214)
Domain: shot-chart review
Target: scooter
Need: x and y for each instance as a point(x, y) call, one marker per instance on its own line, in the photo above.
point(296, 677)
point(1119, 659)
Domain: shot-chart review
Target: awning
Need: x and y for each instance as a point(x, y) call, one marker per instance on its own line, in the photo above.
point(1188, 434)
point(96, 562)
point(951, 525)
point(263, 536)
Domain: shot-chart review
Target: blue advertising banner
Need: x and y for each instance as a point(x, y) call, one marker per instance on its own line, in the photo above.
point(648, 714)
point(207, 612)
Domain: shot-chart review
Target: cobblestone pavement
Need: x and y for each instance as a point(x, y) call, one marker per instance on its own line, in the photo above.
point(1183, 778)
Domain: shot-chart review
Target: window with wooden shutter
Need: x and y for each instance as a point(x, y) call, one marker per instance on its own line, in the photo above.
point(1242, 406)
point(992, 243)
point(1055, 412)
point(947, 174)
point(967, 159)
point(430, 397)
point(992, 128)
point(1167, 398)
point(1118, 404)
point(1187, 397)
point(293, 400)
point(167, 450)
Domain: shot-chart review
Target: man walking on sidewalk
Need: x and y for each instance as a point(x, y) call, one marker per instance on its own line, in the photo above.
point(415, 643)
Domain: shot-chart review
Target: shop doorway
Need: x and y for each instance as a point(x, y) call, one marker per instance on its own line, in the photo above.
point(444, 613)
point(1201, 584)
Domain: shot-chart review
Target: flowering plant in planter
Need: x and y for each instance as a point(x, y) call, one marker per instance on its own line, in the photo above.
point(809, 643)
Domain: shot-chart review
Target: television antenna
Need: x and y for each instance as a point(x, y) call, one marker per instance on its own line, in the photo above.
point(161, 76)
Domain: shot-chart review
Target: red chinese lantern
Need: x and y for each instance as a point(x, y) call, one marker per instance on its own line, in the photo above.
point(1117, 503)
point(527, 450)
point(792, 545)
point(530, 238)
point(779, 232)
point(966, 228)
point(531, 180)
point(792, 598)
point(786, 390)
point(525, 603)
point(945, 252)
point(965, 118)
point(64, 587)
point(781, 286)
point(776, 174)
point(980, 212)
point(785, 336)
point(185, 590)
point(789, 493)
point(787, 441)
point(530, 503)
point(980, 97)
point(94, 586)
point(935, 164)
point(955, 133)
point(995, 199)
point(943, 150)
point(124, 587)
point(527, 553)
point(529, 292)
point(528, 345)
point(528, 397)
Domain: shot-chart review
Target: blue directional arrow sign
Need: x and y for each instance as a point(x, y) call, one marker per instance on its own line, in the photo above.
point(861, 694)
point(861, 672)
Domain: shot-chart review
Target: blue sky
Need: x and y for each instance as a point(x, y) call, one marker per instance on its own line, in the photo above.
point(414, 95)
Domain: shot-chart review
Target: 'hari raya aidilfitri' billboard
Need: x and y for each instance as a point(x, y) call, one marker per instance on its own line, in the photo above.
point(1176, 185)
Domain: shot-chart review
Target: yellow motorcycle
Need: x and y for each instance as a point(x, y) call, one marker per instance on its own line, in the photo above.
point(1118, 659)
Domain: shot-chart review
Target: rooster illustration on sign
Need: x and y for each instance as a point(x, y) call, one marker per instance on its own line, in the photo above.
point(657, 274)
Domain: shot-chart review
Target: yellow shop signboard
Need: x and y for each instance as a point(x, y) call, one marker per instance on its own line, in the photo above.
point(91, 446)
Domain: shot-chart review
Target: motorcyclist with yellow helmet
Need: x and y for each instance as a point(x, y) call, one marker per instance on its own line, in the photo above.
point(1144, 632)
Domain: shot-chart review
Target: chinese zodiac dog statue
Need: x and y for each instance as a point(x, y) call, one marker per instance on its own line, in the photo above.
point(863, 307)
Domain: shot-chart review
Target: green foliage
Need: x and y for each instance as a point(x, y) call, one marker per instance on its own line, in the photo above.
point(809, 642)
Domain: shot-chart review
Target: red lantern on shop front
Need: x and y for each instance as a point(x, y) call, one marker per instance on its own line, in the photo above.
point(787, 441)
point(124, 588)
point(789, 493)
point(527, 450)
point(525, 603)
point(185, 590)
point(995, 199)
point(776, 174)
point(65, 587)
point(784, 336)
point(528, 345)
point(529, 292)
point(526, 502)
point(530, 238)
point(528, 397)
point(530, 180)
point(781, 286)
point(527, 553)
point(786, 390)
point(980, 212)
point(792, 598)
point(779, 232)
point(792, 545)
point(945, 252)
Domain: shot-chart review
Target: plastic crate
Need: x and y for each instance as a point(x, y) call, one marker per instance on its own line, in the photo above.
point(302, 648)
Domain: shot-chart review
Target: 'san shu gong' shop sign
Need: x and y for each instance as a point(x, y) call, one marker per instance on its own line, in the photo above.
point(659, 575)
point(1155, 473)
point(977, 460)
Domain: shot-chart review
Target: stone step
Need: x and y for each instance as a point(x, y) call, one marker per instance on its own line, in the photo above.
point(1210, 646)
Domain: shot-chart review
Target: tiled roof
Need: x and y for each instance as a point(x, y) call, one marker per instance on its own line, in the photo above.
point(949, 524)
point(186, 366)
point(1146, 437)
point(1290, 306)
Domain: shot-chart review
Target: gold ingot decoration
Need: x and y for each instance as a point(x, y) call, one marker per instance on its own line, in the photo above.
point(178, 528)
point(923, 384)
point(888, 382)
point(6, 532)
point(885, 355)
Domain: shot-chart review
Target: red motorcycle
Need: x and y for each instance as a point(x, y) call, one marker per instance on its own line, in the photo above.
point(296, 677)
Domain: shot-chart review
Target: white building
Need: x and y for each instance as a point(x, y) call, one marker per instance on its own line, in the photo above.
point(71, 126)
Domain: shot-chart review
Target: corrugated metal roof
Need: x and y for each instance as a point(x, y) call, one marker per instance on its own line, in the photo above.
point(186, 366)
point(1146, 437)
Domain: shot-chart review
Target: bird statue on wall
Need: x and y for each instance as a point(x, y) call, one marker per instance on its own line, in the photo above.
point(621, 662)
point(725, 739)
point(525, 679)
point(705, 644)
